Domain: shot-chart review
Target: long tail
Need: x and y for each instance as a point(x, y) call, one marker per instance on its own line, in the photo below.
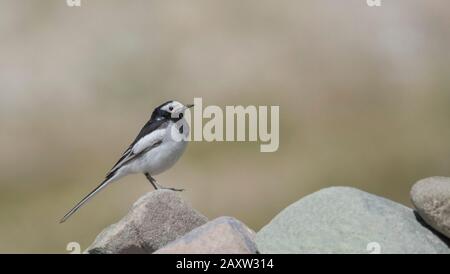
point(87, 198)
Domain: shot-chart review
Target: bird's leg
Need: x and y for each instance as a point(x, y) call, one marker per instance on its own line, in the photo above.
point(158, 186)
point(151, 180)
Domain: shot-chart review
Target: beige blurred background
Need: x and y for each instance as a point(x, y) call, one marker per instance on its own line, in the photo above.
point(364, 96)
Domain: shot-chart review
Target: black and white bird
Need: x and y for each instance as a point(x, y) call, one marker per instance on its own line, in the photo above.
point(159, 144)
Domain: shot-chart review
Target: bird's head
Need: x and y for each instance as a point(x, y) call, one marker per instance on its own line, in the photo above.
point(172, 110)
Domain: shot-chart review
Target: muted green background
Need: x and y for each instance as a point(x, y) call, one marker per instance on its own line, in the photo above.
point(364, 96)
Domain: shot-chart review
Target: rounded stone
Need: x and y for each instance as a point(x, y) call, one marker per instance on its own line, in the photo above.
point(347, 220)
point(431, 198)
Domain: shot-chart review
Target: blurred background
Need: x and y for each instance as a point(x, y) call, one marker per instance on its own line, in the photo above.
point(364, 96)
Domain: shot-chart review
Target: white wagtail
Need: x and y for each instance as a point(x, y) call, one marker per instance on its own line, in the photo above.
point(157, 147)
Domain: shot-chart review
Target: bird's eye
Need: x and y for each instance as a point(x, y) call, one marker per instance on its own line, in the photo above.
point(170, 108)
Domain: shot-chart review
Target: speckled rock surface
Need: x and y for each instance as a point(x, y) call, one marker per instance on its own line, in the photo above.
point(156, 219)
point(431, 198)
point(224, 235)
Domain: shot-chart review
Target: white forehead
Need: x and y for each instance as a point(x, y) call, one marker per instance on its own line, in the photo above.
point(173, 104)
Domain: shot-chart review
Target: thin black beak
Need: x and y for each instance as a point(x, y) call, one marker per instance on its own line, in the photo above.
point(189, 106)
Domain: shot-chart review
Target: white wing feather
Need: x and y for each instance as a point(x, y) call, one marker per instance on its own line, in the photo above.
point(143, 144)
point(148, 141)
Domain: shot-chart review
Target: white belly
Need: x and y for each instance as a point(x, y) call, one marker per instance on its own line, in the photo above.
point(160, 158)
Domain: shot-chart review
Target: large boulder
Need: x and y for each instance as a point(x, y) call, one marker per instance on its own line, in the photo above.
point(347, 220)
point(224, 235)
point(431, 198)
point(156, 219)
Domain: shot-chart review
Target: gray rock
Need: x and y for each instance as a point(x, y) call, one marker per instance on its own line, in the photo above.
point(224, 235)
point(156, 219)
point(347, 220)
point(431, 198)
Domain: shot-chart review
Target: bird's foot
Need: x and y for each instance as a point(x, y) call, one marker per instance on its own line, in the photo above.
point(158, 186)
point(171, 188)
point(167, 188)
